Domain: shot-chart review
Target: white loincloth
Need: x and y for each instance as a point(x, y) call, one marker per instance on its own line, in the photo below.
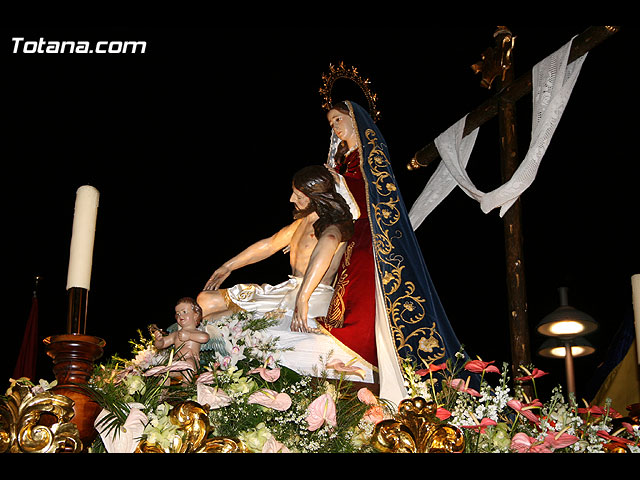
point(310, 350)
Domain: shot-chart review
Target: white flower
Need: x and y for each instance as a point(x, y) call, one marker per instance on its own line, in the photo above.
point(126, 438)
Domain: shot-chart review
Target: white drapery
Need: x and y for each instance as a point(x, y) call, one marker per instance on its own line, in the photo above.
point(552, 83)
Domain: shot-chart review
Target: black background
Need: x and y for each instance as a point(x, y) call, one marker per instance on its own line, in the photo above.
point(193, 144)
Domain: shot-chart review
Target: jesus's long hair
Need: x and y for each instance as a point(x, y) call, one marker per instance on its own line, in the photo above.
point(317, 183)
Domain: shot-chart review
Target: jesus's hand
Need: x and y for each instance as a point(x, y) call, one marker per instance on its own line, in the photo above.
point(299, 320)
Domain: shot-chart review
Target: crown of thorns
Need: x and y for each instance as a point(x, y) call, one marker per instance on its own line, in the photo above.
point(350, 73)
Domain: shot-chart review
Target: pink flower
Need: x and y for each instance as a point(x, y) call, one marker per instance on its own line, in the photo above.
point(535, 374)
point(525, 409)
point(478, 366)
point(321, 410)
point(212, 396)
point(375, 414)
point(206, 377)
point(482, 425)
point(523, 443)
point(347, 368)
point(432, 368)
point(270, 399)
point(174, 367)
point(462, 386)
point(267, 374)
point(367, 397)
point(274, 446)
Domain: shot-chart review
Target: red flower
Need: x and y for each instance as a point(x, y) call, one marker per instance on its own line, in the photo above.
point(478, 366)
point(481, 426)
point(442, 413)
point(612, 438)
point(559, 440)
point(524, 409)
point(596, 410)
point(432, 368)
point(535, 374)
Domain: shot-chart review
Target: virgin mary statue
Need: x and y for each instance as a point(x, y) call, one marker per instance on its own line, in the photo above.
point(385, 308)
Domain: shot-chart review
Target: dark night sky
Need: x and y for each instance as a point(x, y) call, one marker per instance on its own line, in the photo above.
point(193, 144)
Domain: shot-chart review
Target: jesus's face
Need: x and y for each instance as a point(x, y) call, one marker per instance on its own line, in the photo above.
point(299, 199)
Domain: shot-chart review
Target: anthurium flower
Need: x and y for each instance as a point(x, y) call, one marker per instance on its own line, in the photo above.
point(431, 368)
point(206, 377)
point(536, 373)
point(212, 396)
point(524, 409)
point(478, 366)
point(274, 446)
point(613, 438)
point(463, 386)
point(178, 366)
point(559, 440)
point(596, 410)
point(321, 410)
point(442, 413)
point(347, 368)
point(375, 414)
point(271, 399)
point(482, 425)
point(367, 397)
point(126, 438)
point(267, 374)
point(523, 443)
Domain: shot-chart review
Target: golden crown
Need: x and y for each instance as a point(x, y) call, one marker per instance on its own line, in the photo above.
point(350, 73)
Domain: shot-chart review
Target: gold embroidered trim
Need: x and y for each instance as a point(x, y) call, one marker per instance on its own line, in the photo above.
point(335, 315)
point(231, 305)
point(325, 331)
point(406, 309)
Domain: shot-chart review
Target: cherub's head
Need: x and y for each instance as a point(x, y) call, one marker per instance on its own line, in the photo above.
point(188, 312)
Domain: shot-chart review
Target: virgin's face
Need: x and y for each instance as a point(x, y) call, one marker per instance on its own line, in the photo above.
point(342, 125)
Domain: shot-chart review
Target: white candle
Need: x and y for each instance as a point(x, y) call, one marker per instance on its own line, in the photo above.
point(635, 288)
point(82, 237)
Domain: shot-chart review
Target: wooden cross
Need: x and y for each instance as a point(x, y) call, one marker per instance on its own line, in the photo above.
point(496, 66)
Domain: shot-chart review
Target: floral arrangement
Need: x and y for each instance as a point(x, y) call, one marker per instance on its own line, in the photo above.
point(250, 397)
point(496, 419)
point(269, 408)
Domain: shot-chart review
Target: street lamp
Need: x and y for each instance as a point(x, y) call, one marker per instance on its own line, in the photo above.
point(566, 326)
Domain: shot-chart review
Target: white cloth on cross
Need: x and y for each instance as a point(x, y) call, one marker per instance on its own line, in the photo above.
point(553, 80)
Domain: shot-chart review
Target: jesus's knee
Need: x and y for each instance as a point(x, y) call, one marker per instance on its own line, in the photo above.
point(211, 301)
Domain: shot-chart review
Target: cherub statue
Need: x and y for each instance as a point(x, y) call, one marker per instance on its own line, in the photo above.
point(187, 338)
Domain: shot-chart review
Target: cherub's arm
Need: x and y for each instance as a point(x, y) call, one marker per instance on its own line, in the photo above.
point(193, 335)
point(164, 341)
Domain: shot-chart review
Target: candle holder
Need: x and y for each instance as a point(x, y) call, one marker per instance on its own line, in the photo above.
point(73, 357)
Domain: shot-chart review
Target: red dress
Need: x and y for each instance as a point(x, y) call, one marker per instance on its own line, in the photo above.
point(352, 312)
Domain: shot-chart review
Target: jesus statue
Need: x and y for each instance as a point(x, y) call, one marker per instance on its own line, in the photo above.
point(315, 241)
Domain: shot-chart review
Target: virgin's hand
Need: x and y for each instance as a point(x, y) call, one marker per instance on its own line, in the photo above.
point(217, 278)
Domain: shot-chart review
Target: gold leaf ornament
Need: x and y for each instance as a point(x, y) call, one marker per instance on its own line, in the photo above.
point(416, 429)
point(27, 422)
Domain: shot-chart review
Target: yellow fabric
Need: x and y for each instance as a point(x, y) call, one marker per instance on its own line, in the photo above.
point(622, 385)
